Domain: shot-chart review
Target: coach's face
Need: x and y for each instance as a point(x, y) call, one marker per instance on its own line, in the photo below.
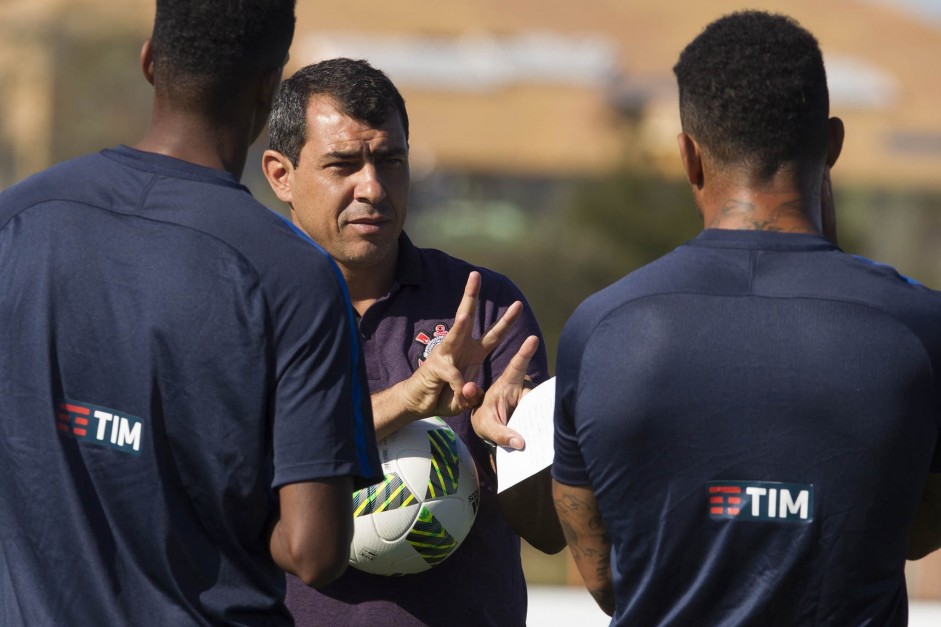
point(349, 190)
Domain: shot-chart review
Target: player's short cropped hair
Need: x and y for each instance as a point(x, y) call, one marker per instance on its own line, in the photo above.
point(359, 91)
point(753, 92)
point(204, 50)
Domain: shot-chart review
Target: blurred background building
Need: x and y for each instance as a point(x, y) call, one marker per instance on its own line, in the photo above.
point(542, 133)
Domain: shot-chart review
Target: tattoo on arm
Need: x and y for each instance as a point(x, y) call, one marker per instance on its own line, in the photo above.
point(588, 540)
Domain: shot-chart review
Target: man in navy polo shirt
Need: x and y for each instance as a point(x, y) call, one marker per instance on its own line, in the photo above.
point(181, 409)
point(746, 426)
point(339, 156)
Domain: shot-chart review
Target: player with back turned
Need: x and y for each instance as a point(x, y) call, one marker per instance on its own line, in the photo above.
point(182, 410)
point(747, 428)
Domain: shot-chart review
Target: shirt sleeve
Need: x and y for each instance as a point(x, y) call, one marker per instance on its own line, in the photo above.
point(568, 465)
point(323, 424)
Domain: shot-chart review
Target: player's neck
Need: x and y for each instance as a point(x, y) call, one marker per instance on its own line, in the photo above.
point(196, 140)
point(777, 204)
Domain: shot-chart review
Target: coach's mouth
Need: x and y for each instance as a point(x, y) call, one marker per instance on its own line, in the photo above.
point(369, 225)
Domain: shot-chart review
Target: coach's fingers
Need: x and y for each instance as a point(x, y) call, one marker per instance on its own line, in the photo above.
point(469, 301)
point(472, 393)
point(461, 328)
point(495, 334)
point(515, 372)
point(489, 422)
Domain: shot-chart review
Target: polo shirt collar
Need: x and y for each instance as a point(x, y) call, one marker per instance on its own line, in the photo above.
point(408, 269)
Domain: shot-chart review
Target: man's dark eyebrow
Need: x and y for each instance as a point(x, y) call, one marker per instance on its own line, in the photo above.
point(391, 151)
point(345, 155)
point(342, 155)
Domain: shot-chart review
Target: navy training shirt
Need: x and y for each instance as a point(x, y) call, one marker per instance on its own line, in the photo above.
point(756, 414)
point(170, 352)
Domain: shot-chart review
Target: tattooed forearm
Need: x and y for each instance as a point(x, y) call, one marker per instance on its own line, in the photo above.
point(588, 540)
point(604, 597)
point(571, 538)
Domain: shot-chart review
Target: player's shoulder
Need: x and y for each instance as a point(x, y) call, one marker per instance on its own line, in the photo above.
point(284, 256)
point(653, 278)
point(212, 205)
point(60, 181)
point(621, 298)
point(886, 273)
point(914, 304)
point(888, 288)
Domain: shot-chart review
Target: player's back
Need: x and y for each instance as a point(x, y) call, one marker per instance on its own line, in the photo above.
point(137, 325)
point(773, 414)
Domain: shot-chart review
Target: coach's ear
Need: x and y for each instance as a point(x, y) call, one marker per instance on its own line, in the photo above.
point(278, 170)
point(691, 155)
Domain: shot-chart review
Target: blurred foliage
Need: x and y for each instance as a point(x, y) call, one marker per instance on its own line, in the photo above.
point(641, 215)
point(101, 96)
point(901, 228)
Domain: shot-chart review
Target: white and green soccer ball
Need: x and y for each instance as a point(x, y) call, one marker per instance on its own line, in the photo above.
point(424, 508)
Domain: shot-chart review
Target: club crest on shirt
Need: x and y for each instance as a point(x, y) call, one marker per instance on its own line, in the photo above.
point(430, 340)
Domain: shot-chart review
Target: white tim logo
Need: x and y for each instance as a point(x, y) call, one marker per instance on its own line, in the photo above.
point(118, 430)
point(778, 502)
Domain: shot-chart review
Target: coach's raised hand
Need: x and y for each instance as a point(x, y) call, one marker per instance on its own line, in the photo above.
point(444, 385)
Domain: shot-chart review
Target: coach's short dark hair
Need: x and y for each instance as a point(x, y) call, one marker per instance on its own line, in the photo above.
point(203, 50)
point(359, 90)
point(753, 92)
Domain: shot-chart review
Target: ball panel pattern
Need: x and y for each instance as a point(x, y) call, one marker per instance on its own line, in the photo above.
point(430, 539)
point(445, 463)
point(391, 493)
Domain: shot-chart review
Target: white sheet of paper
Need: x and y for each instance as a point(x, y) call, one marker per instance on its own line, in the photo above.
point(532, 419)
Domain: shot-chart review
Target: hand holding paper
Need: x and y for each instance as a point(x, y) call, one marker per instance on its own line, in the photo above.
point(532, 419)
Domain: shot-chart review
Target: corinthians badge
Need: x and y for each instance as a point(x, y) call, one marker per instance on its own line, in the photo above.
point(430, 341)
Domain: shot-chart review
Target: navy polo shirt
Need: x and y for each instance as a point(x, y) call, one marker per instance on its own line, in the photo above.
point(482, 582)
point(170, 352)
point(757, 414)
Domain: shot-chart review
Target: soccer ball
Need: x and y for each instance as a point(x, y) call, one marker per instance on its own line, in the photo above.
point(423, 509)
